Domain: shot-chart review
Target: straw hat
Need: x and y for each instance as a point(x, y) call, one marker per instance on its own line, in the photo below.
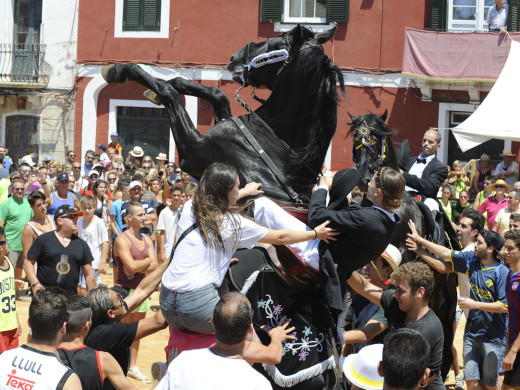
point(508, 153)
point(361, 368)
point(137, 152)
point(500, 182)
point(392, 256)
point(162, 156)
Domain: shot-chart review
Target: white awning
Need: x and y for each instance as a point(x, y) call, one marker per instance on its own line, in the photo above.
point(498, 115)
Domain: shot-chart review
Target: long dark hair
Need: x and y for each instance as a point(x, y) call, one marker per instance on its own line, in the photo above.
point(211, 203)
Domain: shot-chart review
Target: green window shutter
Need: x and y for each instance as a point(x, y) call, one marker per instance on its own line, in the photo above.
point(337, 11)
point(438, 14)
point(152, 15)
point(271, 10)
point(131, 15)
point(513, 20)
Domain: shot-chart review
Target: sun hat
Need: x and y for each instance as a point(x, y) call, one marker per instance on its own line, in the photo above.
point(500, 182)
point(162, 156)
point(507, 153)
point(361, 368)
point(392, 255)
point(137, 152)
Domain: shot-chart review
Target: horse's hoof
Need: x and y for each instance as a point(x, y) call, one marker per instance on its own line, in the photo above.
point(152, 96)
point(110, 75)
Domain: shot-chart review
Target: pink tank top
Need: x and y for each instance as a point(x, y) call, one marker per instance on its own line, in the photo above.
point(122, 279)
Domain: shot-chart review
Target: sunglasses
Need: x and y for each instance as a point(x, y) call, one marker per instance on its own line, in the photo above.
point(487, 183)
point(3, 242)
point(76, 168)
point(26, 170)
point(147, 167)
point(171, 166)
point(120, 299)
point(72, 155)
point(111, 179)
point(463, 196)
point(94, 176)
point(178, 171)
point(68, 216)
point(19, 189)
point(500, 186)
point(511, 197)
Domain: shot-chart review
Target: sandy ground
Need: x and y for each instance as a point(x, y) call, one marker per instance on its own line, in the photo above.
point(152, 347)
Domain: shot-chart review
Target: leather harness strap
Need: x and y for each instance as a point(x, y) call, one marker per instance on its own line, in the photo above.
point(263, 155)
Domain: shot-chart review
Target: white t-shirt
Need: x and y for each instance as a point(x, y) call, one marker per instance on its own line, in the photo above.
point(167, 222)
point(95, 235)
point(196, 264)
point(202, 369)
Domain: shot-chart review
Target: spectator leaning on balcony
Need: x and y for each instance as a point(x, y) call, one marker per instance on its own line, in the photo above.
point(497, 17)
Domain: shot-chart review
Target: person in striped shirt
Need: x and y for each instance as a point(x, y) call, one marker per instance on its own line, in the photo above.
point(511, 364)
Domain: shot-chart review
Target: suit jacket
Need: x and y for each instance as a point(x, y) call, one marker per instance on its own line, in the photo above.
point(365, 234)
point(432, 178)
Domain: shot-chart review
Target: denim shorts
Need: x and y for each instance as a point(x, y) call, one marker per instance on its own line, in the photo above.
point(482, 360)
point(191, 310)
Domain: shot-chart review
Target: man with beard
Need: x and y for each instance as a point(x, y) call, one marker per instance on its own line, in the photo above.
point(485, 334)
point(89, 162)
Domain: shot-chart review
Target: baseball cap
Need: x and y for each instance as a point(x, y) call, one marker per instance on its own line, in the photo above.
point(114, 134)
point(493, 239)
point(62, 177)
point(135, 183)
point(103, 147)
point(93, 172)
point(48, 158)
point(98, 166)
point(27, 160)
point(67, 210)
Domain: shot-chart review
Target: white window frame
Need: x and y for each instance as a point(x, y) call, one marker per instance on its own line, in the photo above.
point(162, 33)
point(294, 20)
point(479, 24)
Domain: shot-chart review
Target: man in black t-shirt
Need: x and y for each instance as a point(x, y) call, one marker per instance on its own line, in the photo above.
point(111, 335)
point(406, 306)
point(60, 254)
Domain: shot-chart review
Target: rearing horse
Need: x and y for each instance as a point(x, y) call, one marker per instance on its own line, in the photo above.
point(371, 139)
point(294, 126)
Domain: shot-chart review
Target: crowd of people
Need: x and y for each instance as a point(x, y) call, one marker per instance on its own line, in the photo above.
point(154, 228)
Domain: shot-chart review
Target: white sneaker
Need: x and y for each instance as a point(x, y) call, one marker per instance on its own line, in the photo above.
point(135, 372)
point(459, 382)
point(158, 372)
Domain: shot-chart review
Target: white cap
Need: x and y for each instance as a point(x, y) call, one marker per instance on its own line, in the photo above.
point(27, 160)
point(135, 183)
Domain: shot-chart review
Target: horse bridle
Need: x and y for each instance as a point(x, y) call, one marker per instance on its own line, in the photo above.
point(363, 133)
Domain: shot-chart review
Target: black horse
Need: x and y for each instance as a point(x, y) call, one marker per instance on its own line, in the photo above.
point(372, 140)
point(294, 126)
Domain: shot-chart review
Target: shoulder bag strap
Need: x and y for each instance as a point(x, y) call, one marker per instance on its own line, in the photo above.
point(183, 235)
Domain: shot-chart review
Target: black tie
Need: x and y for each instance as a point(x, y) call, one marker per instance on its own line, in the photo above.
point(421, 160)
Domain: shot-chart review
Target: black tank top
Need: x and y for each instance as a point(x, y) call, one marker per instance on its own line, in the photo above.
point(85, 362)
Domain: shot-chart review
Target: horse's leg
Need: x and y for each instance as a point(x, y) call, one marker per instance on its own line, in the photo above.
point(187, 138)
point(213, 95)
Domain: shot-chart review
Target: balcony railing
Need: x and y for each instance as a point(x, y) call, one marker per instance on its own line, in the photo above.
point(21, 65)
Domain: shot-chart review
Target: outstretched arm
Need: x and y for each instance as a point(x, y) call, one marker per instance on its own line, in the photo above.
point(283, 237)
point(439, 250)
point(112, 370)
point(362, 286)
point(439, 265)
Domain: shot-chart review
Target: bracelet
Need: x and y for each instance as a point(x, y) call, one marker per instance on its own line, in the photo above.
point(315, 234)
point(125, 305)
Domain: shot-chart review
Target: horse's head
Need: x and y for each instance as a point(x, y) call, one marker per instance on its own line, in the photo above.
point(370, 141)
point(261, 63)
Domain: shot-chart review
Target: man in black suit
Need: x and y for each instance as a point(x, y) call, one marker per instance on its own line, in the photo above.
point(426, 173)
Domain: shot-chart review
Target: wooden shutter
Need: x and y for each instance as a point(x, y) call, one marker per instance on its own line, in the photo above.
point(337, 11)
point(438, 14)
point(513, 20)
point(142, 15)
point(152, 15)
point(271, 10)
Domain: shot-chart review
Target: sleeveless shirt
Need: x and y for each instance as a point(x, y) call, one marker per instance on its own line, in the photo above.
point(85, 362)
point(27, 368)
point(122, 279)
point(57, 202)
point(8, 319)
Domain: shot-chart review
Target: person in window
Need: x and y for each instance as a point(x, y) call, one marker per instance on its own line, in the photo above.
point(497, 17)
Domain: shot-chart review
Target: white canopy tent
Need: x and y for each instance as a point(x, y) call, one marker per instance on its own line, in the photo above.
point(497, 117)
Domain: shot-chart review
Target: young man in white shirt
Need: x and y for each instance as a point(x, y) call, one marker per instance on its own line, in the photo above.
point(92, 229)
point(167, 225)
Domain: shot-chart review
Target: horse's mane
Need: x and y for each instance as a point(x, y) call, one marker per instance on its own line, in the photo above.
point(322, 81)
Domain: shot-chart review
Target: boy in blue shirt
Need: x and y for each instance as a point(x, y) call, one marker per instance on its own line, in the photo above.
point(485, 334)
